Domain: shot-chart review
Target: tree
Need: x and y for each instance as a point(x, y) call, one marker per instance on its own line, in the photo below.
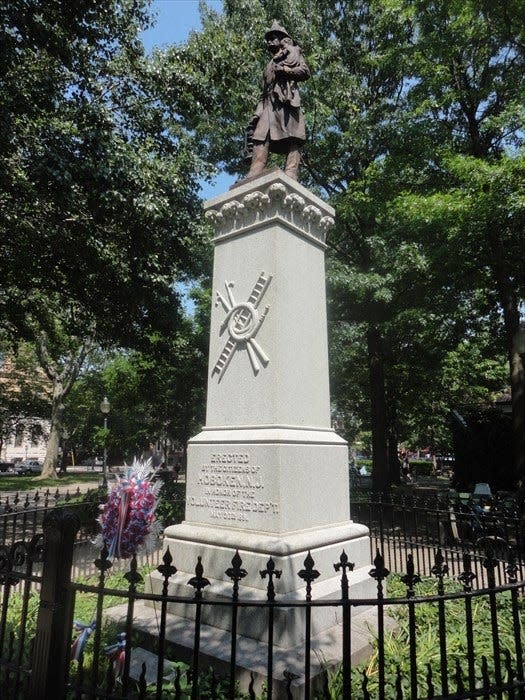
point(156, 396)
point(99, 212)
point(397, 88)
point(469, 63)
point(61, 357)
point(487, 202)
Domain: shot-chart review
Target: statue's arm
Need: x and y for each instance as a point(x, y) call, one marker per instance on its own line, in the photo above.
point(297, 72)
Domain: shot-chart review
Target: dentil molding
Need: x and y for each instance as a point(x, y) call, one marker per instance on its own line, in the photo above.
point(270, 202)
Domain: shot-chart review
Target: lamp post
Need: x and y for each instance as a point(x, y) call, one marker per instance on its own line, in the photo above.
point(105, 408)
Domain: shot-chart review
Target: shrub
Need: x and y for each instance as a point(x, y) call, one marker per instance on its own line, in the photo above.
point(172, 498)
point(397, 642)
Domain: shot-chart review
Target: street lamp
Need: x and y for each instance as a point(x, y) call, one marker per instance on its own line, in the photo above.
point(105, 408)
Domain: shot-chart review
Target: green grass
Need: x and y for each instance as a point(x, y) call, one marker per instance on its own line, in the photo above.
point(25, 483)
point(397, 642)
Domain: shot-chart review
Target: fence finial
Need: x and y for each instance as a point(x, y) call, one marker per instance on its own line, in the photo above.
point(270, 572)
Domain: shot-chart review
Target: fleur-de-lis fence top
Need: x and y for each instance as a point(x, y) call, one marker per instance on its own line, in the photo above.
point(467, 576)
point(410, 579)
point(512, 567)
point(309, 574)
point(166, 569)
point(344, 565)
point(439, 570)
point(236, 573)
point(379, 572)
point(270, 572)
point(198, 582)
point(103, 563)
point(490, 562)
point(133, 575)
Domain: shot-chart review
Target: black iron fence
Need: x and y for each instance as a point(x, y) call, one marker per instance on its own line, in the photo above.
point(419, 523)
point(22, 514)
point(450, 628)
point(22, 517)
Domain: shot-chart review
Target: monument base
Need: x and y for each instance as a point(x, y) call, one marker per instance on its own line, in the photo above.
point(252, 656)
point(267, 480)
point(216, 548)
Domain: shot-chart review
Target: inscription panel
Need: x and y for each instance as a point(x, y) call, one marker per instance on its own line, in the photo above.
point(229, 488)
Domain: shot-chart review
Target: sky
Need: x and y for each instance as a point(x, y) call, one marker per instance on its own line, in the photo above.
point(174, 21)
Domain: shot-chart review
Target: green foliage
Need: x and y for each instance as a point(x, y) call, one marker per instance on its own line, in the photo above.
point(156, 395)
point(96, 168)
point(421, 467)
point(397, 641)
point(209, 684)
point(171, 502)
point(86, 137)
point(14, 617)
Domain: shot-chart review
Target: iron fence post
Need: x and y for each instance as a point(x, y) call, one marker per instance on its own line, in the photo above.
point(53, 633)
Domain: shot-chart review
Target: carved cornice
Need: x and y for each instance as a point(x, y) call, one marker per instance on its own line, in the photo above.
point(270, 200)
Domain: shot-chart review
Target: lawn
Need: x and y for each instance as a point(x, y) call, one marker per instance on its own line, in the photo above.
point(25, 483)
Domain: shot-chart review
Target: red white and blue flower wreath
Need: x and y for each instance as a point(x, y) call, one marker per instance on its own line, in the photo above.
point(128, 521)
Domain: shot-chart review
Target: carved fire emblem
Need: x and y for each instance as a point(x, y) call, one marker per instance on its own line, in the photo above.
point(243, 321)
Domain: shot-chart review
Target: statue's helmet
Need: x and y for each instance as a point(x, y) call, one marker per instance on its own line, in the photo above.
point(276, 28)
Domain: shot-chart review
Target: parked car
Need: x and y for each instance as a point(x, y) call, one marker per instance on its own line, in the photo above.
point(28, 467)
point(7, 466)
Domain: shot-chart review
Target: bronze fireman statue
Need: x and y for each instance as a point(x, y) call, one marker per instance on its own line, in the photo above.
point(278, 122)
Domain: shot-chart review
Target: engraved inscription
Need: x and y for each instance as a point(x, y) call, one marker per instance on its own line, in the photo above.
point(232, 488)
point(243, 321)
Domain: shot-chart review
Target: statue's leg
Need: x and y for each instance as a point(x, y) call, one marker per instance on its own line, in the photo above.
point(293, 160)
point(259, 158)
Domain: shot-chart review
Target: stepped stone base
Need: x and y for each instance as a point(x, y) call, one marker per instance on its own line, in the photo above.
point(252, 656)
point(215, 547)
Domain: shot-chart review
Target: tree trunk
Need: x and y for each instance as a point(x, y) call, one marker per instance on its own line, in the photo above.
point(394, 469)
point(517, 383)
point(62, 373)
point(511, 318)
point(394, 465)
point(49, 470)
point(380, 472)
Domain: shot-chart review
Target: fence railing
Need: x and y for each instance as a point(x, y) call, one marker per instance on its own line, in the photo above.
point(411, 523)
point(22, 518)
point(22, 514)
point(445, 636)
point(42, 498)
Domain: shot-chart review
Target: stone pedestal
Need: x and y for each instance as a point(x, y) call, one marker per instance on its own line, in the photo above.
point(267, 475)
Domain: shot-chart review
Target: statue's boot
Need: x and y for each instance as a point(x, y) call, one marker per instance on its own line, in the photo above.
point(259, 158)
point(292, 161)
